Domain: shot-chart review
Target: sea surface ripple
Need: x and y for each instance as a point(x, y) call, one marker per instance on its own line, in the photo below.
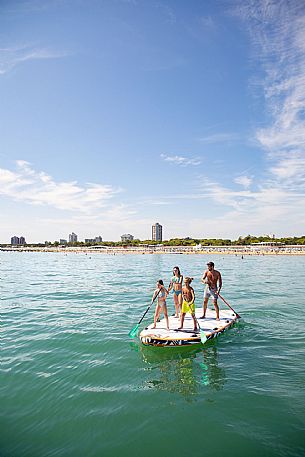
point(74, 384)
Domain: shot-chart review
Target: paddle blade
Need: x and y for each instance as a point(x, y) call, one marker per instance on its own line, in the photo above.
point(203, 337)
point(134, 331)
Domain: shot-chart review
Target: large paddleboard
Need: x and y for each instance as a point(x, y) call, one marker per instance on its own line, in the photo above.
point(160, 336)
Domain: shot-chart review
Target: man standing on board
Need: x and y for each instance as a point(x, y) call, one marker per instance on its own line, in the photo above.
point(212, 279)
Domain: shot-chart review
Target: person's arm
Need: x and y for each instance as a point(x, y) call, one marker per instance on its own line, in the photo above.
point(193, 296)
point(181, 279)
point(204, 277)
point(170, 285)
point(156, 292)
point(219, 283)
point(166, 292)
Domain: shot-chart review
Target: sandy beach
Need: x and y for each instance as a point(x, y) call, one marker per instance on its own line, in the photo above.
point(249, 250)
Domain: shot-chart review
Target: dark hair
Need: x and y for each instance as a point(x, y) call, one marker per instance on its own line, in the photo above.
point(160, 282)
point(210, 263)
point(177, 268)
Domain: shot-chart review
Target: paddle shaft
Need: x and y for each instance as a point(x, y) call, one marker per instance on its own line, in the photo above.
point(237, 315)
point(148, 308)
point(200, 329)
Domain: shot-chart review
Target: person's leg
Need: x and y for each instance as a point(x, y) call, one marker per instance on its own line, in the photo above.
point(205, 305)
point(176, 303)
point(166, 317)
point(157, 312)
point(216, 309)
point(181, 321)
point(180, 302)
point(195, 322)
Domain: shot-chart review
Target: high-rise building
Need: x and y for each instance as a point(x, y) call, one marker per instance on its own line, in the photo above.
point(16, 240)
point(156, 232)
point(72, 238)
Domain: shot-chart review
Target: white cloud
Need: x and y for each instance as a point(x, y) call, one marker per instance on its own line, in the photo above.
point(10, 57)
point(290, 169)
point(244, 181)
point(270, 208)
point(219, 138)
point(182, 161)
point(38, 188)
point(277, 30)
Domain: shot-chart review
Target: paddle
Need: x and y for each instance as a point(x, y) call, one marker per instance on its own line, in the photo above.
point(237, 315)
point(134, 331)
point(203, 338)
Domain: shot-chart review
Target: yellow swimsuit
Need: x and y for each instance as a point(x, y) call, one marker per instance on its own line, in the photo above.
point(188, 307)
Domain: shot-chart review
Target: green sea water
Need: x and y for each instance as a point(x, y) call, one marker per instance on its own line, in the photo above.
point(74, 384)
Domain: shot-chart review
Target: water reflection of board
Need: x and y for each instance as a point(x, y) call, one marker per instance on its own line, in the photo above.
point(160, 336)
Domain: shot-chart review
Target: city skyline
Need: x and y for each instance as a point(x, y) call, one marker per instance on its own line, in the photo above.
point(73, 237)
point(117, 114)
point(156, 235)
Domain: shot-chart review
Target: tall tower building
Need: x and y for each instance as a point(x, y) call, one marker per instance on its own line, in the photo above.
point(15, 240)
point(156, 232)
point(72, 238)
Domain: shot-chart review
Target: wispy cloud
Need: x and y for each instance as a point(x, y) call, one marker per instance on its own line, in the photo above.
point(291, 170)
point(207, 22)
point(219, 138)
point(38, 188)
point(166, 11)
point(277, 196)
point(181, 161)
point(277, 29)
point(12, 56)
point(244, 181)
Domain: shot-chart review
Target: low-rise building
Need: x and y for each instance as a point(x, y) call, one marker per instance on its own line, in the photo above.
point(97, 239)
point(127, 237)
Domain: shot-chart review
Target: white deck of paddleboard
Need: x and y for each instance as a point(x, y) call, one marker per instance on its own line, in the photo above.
point(209, 325)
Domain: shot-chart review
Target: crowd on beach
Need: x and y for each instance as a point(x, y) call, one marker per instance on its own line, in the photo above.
point(184, 295)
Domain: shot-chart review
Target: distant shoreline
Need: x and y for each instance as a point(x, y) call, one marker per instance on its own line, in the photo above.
point(207, 250)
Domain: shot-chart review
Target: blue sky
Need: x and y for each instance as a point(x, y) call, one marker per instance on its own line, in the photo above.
point(116, 114)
